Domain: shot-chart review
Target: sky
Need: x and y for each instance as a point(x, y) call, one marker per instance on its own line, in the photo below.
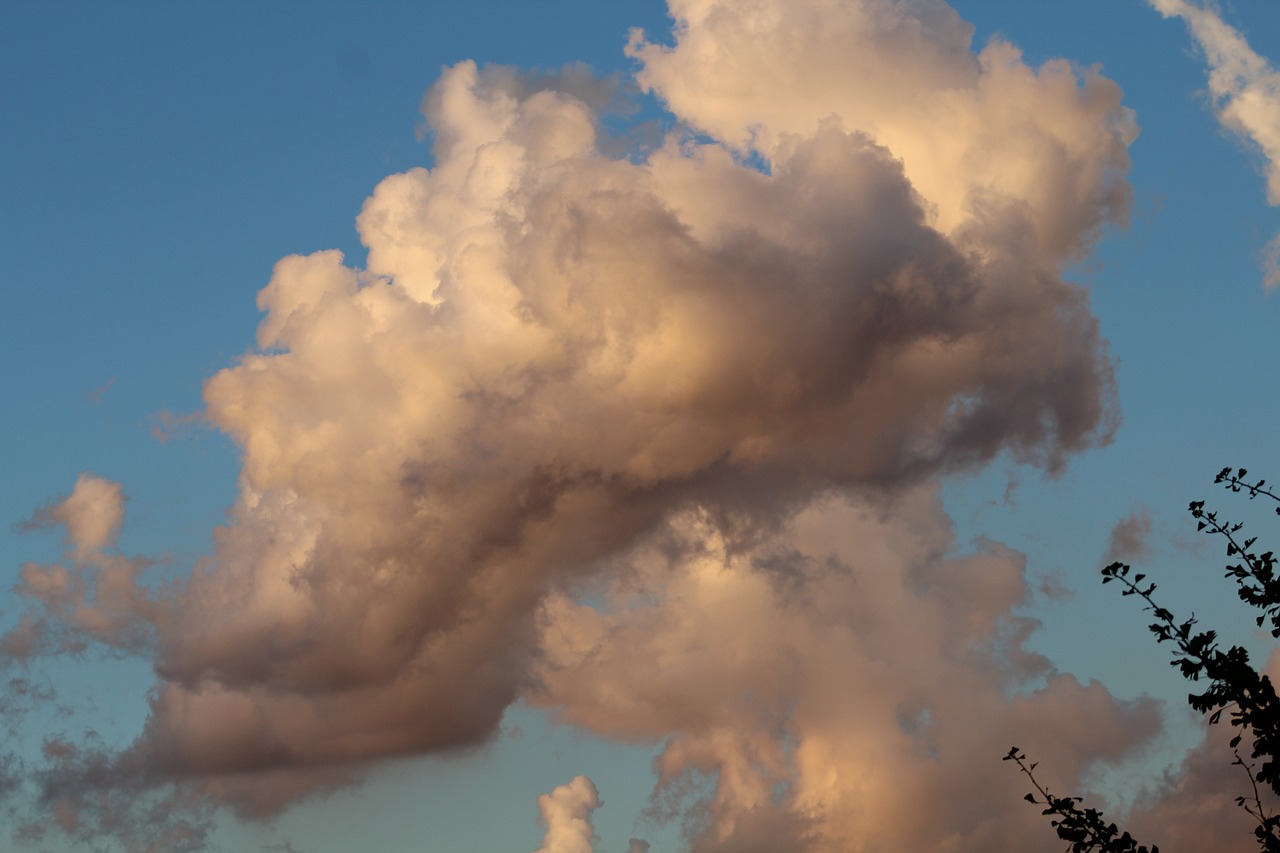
point(613, 427)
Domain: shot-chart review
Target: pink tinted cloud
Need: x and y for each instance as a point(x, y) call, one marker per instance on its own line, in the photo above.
point(679, 374)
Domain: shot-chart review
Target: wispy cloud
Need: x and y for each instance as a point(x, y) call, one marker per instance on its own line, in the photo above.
point(91, 515)
point(1129, 540)
point(1246, 94)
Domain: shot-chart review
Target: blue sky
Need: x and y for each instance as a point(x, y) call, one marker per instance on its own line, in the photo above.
point(159, 159)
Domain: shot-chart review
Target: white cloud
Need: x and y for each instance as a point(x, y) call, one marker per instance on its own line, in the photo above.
point(1246, 94)
point(558, 361)
point(976, 132)
point(839, 682)
point(566, 813)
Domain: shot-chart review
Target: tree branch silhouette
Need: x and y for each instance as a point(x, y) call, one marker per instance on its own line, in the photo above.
point(1233, 685)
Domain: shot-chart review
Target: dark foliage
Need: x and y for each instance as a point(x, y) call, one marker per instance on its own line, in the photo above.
point(1085, 829)
point(1231, 683)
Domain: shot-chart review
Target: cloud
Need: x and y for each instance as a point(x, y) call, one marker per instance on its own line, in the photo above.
point(1129, 538)
point(566, 813)
point(96, 396)
point(560, 366)
point(1194, 805)
point(91, 515)
point(94, 595)
point(977, 133)
point(836, 686)
point(1271, 263)
point(166, 425)
point(1246, 95)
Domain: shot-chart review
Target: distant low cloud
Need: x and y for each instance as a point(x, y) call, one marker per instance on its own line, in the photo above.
point(1130, 537)
point(1193, 807)
point(1246, 94)
point(1271, 263)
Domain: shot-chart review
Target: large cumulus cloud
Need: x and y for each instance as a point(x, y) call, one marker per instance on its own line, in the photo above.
point(839, 276)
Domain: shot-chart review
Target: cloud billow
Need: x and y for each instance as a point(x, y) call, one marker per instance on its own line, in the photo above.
point(557, 361)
